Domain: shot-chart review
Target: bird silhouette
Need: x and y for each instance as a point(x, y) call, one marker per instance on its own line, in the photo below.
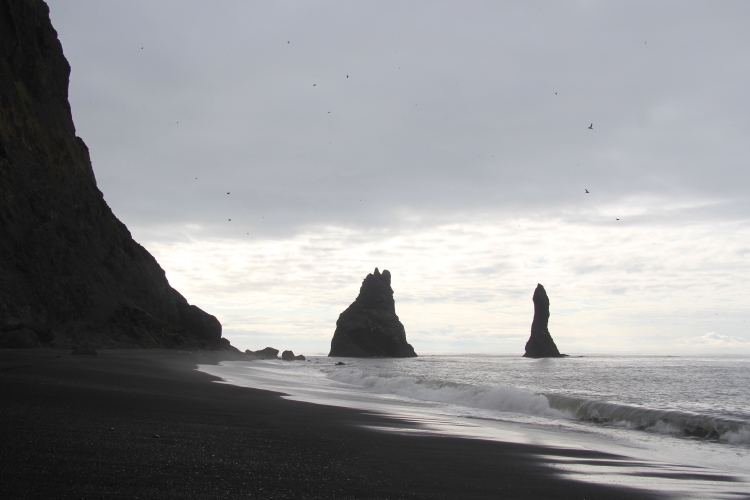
point(591, 127)
point(227, 192)
point(314, 84)
point(347, 76)
point(586, 190)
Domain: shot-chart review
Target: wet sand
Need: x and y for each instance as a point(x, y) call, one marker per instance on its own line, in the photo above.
point(87, 427)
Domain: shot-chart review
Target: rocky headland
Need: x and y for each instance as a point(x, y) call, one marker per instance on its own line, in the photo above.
point(540, 343)
point(369, 327)
point(70, 272)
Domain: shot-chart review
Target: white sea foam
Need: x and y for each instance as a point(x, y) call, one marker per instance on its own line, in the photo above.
point(505, 399)
point(673, 422)
point(515, 400)
point(740, 436)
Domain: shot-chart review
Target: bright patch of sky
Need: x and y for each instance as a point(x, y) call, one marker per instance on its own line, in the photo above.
point(467, 287)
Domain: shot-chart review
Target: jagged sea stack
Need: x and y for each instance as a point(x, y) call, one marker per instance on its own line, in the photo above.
point(369, 327)
point(540, 344)
point(70, 272)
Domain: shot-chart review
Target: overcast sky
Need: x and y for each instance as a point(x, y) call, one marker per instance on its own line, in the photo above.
point(448, 142)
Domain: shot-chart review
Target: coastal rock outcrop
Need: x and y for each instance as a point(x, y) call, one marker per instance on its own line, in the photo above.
point(267, 353)
point(369, 327)
point(540, 343)
point(70, 272)
point(289, 356)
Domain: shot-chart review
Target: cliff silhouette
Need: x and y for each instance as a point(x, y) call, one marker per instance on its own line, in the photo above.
point(70, 272)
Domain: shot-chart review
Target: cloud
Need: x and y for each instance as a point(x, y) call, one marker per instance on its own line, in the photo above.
point(449, 111)
point(716, 339)
point(456, 154)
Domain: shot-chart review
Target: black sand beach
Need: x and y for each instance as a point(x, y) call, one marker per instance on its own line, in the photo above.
point(86, 427)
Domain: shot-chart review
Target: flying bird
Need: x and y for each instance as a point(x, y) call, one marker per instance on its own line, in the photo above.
point(231, 219)
point(617, 219)
point(347, 76)
point(314, 84)
point(586, 190)
point(227, 192)
point(288, 41)
point(591, 127)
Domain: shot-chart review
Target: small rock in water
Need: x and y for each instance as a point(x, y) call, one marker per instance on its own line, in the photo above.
point(289, 356)
point(267, 353)
point(340, 364)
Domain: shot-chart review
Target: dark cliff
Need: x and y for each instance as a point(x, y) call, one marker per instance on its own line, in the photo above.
point(70, 271)
point(369, 327)
point(540, 344)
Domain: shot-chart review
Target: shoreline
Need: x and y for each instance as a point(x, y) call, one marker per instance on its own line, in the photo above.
point(85, 426)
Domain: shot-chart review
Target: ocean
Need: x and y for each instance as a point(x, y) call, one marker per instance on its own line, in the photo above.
point(681, 424)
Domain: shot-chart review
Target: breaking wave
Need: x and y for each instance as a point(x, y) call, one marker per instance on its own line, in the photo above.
point(515, 400)
point(648, 419)
point(506, 399)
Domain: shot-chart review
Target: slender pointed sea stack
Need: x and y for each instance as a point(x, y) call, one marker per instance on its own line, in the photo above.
point(70, 272)
point(369, 327)
point(540, 344)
